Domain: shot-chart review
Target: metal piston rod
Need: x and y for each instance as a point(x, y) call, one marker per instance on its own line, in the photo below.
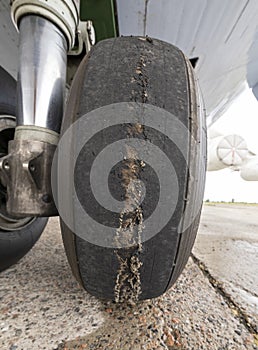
point(43, 45)
point(42, 73)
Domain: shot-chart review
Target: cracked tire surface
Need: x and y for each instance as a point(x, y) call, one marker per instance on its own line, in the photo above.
point(105, 77)
point(15, 244)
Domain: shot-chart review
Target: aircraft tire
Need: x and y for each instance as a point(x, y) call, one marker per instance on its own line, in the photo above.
point(150, 74)
point(17, 237)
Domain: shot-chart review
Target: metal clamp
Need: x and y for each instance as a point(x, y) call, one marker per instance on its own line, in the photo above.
point(63, 13)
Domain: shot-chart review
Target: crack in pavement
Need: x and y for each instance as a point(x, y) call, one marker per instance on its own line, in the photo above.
point(252, 293)
point(218, 286)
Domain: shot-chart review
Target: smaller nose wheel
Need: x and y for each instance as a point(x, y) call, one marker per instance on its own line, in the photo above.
point(17, 236)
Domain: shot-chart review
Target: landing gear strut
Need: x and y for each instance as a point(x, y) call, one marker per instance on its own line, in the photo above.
point(43, 45)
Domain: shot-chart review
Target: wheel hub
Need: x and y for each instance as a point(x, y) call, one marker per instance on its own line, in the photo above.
point(7, 222)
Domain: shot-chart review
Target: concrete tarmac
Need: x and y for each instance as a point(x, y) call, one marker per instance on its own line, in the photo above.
point(227, 243)
point(212, 306)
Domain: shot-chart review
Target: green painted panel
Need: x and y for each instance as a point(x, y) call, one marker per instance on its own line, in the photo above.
point(102, 14)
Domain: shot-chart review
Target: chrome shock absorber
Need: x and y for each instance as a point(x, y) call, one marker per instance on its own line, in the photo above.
point(46, 32)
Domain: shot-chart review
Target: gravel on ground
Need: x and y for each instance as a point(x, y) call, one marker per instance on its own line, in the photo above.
point(43, 307)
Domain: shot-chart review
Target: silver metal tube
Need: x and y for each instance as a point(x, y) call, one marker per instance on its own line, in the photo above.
point(41, 74)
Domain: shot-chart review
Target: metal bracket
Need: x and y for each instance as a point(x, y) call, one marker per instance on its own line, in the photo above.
point(27, 174)
point(85, 36)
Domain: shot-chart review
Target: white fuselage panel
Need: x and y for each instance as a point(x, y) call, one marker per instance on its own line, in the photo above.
point(221, 33)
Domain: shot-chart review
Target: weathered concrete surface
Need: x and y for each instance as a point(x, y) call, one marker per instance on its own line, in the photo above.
point(227, 244)
point(42, 307)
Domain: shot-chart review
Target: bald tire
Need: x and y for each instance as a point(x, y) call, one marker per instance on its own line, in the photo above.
point(109, 75)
